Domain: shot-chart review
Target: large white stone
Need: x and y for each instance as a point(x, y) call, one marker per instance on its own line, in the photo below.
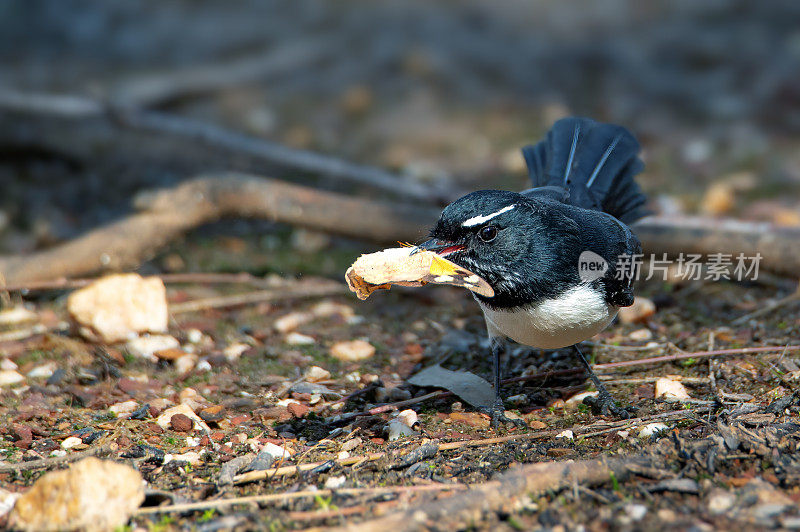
point(119, 307)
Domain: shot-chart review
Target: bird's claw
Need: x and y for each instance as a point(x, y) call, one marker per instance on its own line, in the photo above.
point(497, 413)
point(604, 405)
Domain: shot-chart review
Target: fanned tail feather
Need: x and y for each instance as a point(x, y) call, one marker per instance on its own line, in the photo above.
point(594, 162)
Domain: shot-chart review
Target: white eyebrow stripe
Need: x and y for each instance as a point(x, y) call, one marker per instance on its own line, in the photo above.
point(480, 219)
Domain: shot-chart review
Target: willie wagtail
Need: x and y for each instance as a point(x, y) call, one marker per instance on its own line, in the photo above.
point(553, 253)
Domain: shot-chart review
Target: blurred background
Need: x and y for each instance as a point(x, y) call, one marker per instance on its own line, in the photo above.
point(441, 92)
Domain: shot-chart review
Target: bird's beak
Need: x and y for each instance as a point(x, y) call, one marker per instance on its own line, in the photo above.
point(438, 246)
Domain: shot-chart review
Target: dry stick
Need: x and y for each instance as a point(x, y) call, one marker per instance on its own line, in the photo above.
point(697, 354)
point(221, 503)
point(55, 460)
point(168, 214)
point(253, 476)
point(159, 89)
point(168, 278)
point(258, 297)
point(534, 479)
point(233, 145)
point(794, 297)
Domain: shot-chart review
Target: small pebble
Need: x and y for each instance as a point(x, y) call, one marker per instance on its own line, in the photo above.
point(671, 390)
point(409, 417)
point(9, 377)
point(185, 364)
point(567, 434)
point(234, 351)
point(45, 371)
point(641, 309)
point(578, 398)
point(352, 351)
point(334, 482)
point(296, 338)
point(316, 374)
point(146, 346)
point(181, 423)
point(203, 366)
point(7, 365)
point(125, 407)
point(71, 442)
point(720, 501)
point(398, 429)
point(194, 336)
point(641, 335)
point(349, 445)
point(651, 429)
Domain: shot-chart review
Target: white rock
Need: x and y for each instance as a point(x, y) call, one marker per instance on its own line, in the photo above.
point(328, 308)
point(292, 321)
point(409, 417)
point(234, 351)
point(192, 441)
point(44, 371)
point(9, 377)
point(7, 364)
point(203, 365)
point(334, 482)
point(276, 451)
point(17, 315)
point(71, 442)
point(518, 400)
point(623, 434)
point(671, 390)
point(125, 407)
point(578, 398)
point(316, 374)
point(194, 336)
point(641, 309)
point(296, 338)
point(163, 420)
point(651, 429)
point(720, 501)
point(640, 335)
point(192, 457)
point(567, 434)
point(635, 512)
point(118, 307)
point(58, 453)
point(398, 429)
point(185, 363)
point(145, 346)
point(7, 500)
point(92, 495)
point(352, 351)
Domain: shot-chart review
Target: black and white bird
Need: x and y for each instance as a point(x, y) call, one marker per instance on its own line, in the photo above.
point(553, 254)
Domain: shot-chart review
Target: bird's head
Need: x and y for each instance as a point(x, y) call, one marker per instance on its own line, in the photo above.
point(504, 237)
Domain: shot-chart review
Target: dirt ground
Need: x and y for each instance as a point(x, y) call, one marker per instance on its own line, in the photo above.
point(443, 94)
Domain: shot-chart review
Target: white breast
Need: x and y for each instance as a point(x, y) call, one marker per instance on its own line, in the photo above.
point(577, 315)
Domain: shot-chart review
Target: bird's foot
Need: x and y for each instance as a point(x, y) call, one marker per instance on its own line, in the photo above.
point(604, 405)
point(497, 413)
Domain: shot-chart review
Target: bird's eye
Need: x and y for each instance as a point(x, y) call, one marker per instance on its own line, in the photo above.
point(488, 233)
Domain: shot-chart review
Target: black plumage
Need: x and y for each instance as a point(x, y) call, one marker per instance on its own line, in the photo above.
point(528, 246)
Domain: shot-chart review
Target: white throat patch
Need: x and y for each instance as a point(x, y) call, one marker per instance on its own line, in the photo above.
point(480, 219)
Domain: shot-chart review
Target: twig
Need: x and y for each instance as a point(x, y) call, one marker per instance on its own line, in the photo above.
point(168, 214)
point(222, 503)
point(262, 296)
point(792, 298)
point(55, 460)
point(697, 354)
point(534, 479)
point(168, 278)
point(233, 145)
point(159, 89)
point(22, 334)
point(585, 432)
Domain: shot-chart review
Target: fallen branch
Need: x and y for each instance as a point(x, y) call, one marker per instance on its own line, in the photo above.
point(583, 431)
point(45, 463)
point(169, 278)
point(168, 214)
point(261, 296)
point(533, 480)
point(196, 144)
point(282, 497)
point(697, 354)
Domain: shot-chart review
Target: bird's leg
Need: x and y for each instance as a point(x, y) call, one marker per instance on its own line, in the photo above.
point(604, 404)
point(498, 410)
